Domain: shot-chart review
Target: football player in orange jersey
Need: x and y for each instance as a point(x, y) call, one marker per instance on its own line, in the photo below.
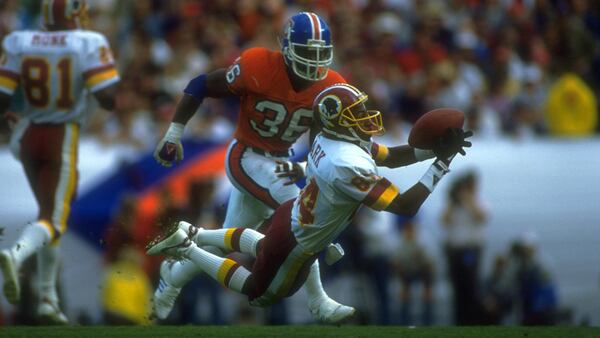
point(276, 91)
point(57, 68)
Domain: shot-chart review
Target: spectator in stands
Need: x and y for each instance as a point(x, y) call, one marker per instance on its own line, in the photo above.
point(414, 266)
point(463, 220)
point(496, 296)
point(537, 297)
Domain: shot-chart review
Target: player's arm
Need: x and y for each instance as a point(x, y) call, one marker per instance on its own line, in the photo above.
point(399, 156)
point(384, 195)
point(106, 97)
point(9, 71)
point(213, 84)
point(452, 142)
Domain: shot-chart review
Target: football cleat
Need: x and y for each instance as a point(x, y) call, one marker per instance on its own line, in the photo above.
point(50, 314)
point(9, 268)
point(171, 242)
point(190, 229)
point(165, 294)
point(327, 310)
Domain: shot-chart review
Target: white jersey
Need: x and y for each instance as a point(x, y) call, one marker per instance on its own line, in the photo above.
point(57, 71)
point(341, 176)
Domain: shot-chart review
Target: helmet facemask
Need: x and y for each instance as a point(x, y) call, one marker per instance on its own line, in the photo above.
point(306, 46)
point(310, 61)
point(368, 122)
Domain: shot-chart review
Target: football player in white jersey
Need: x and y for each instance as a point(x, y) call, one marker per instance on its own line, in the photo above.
point(342, 176)
point(57, 69)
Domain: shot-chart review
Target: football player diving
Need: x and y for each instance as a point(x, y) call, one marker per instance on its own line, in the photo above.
point(342, 175)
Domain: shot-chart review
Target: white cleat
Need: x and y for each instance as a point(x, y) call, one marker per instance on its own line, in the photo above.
point(190, 230)
point(169, 243)
point(327, 310)
point(12, 290)
point(50, 314)
point(165, 294)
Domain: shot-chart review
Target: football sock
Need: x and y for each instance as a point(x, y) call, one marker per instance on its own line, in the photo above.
point(47, 265)
point(313, 285)
point(224, 270)
point(242, 240)
point(182, 272)
point(35, 236)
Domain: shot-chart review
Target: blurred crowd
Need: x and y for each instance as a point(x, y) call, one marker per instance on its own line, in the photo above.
point(517, 68)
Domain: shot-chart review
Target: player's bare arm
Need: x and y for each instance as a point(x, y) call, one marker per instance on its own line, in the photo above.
point(399, 156)
point(106, 97)
point(213, 84)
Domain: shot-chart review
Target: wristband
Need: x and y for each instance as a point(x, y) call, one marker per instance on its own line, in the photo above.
point(175, 132)
point(434, 174)
point(423, 154)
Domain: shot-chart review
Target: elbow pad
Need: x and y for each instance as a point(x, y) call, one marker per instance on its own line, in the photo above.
point(196, 88)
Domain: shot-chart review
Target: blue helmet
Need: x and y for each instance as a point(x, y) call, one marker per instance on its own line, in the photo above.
point(306, 46)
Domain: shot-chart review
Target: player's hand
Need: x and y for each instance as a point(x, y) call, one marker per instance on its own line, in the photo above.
point(169, 149)
point(294, 171)
point(452, 142)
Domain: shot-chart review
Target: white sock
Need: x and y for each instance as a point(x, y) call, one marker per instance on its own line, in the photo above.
point(223, 238)
point(249, 241)
point(219, 268)
point(34, 237)
point(182, 272)
point(313, 285)
point(47, 265)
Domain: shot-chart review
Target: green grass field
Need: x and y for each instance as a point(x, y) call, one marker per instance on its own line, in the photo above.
point(297, 331)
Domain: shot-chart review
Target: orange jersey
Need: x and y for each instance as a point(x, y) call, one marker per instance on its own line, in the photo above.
point(272, 115)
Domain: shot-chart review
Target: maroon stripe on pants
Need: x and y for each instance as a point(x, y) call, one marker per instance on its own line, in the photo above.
point(234, 161)
point(278, 243)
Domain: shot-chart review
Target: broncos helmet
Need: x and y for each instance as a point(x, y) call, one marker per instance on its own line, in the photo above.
point(341, 111)
point(306, 46)
point(64, 14)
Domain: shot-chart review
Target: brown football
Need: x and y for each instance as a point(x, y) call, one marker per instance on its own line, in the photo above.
point(432, 125)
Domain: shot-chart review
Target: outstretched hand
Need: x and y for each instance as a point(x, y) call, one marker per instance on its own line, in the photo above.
point(292, 170)
point(452, 142)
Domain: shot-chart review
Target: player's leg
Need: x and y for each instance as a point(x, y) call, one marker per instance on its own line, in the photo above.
point(255, 175)
point(45, 151)
point(55, 202)
point(276, 272)
point(224, 270)
point(175, 274)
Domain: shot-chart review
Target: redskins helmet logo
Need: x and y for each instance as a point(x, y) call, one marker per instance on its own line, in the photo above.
point(330, 108)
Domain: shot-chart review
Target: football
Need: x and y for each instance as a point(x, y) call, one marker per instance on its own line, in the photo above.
point(432, 125)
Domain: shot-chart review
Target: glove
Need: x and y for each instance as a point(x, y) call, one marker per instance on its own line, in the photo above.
point(295, 171)
point(436, 171)
point(452, 142)
point(169, 149)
